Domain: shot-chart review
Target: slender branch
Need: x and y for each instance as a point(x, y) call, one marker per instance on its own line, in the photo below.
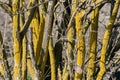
point(5, 71)
point(31, 52)
point(47, 31)
point(26, 25)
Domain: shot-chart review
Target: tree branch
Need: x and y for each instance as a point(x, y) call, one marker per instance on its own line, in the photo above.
point(26, 25)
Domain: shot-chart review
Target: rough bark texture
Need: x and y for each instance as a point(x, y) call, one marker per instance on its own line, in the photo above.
point(106, 40)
